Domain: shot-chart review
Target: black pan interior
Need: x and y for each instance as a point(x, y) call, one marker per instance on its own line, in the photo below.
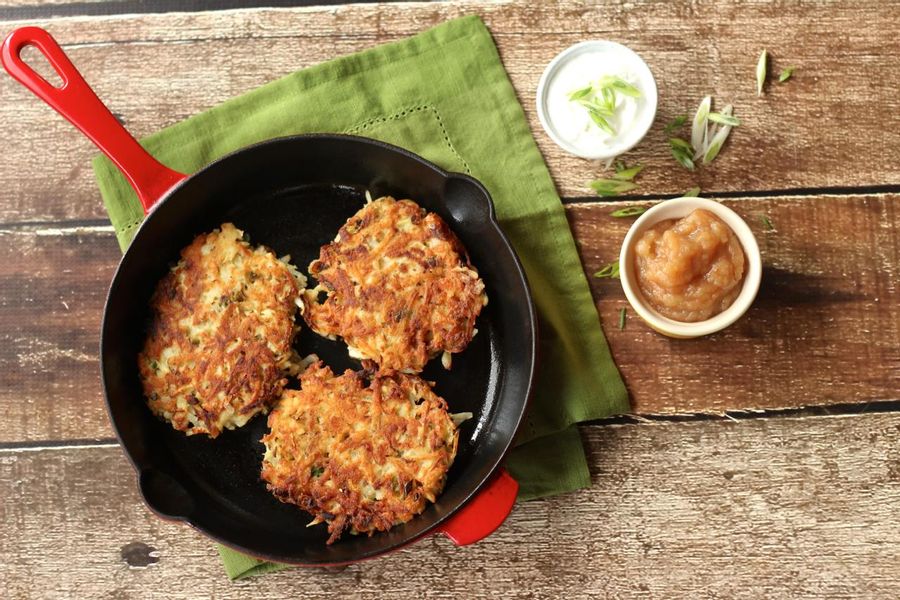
point(293, 194)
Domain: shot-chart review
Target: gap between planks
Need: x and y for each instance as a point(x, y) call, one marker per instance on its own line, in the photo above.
point(785, 508)
point(693, 52)
point(630, 419)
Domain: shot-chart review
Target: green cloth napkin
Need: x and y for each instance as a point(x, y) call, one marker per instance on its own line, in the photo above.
point(445, 95)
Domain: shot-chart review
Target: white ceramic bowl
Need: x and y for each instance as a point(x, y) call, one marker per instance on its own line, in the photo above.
point(676, 209)
point(645, 80)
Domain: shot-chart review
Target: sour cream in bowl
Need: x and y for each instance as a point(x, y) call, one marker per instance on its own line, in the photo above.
point(624, 118)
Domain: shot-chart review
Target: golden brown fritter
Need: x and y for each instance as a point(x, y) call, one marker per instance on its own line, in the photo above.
point(399, 286)
point(220, 334)
point(359, 455)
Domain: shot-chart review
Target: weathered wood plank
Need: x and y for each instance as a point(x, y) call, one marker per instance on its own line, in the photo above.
point(825, 327)
point(157, 69)
point(768, 508)
point(41, 9)
point(824, 330)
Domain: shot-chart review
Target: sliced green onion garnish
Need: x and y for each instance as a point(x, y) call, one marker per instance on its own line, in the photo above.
point(628, 174)
point(601, 121)
point(691, 193)
point(610, 271)
point(631, 211)
point(675, 123)
point(724, 119)
point(715, 144)
point(761, 72)
point(611, 187)
point(698, 128)
point(583, 92)
point(786, 74)
point(621, 319)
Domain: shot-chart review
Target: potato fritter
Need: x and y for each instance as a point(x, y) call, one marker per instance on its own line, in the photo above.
point(359, 456)
point(399, 287)
point(219, 339)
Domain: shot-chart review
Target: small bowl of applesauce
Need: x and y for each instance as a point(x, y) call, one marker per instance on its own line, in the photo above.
point(690, 267)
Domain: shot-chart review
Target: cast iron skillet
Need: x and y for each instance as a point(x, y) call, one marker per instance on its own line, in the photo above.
point(292, 194)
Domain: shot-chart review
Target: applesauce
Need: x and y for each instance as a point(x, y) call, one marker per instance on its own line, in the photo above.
point(689, 269)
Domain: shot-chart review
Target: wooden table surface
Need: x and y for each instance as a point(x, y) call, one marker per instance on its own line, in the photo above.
point(763, 461)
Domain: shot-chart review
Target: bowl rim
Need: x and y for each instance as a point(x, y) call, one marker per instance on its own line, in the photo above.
point(647, 80)
point(677, 208)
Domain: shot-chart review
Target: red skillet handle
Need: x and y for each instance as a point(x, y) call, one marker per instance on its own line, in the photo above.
point(76, 101)
point(484, 513)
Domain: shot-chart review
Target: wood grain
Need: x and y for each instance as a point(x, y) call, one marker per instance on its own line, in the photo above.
point(825, 327)
point(824, 330)
point(761, 508)
point(826, 127)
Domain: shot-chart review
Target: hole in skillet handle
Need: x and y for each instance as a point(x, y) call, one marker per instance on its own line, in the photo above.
point(468, 201)
point(164, 495)
point(32, 56)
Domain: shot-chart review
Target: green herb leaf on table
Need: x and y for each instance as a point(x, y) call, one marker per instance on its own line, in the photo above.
point(631, 211)
point(712, 152)
point(766, 223)
point(691, 193)
point(610, 271)
point(698, 128)
point(724, 119)
point(612, 187)
point(683, 153)
point(675, 124)
point(761, 72)
point(718, 139)
point(786, 74)
point(621, 319)
point(627, 174)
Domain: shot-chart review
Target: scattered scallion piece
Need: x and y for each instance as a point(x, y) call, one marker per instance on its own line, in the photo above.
point(682, 152)
point(631, 211)
point(691, 193)
point(610, 271)
point(786, 74)
point(627, 174)
point(621, 319)
point(675, 124)
point(611, 187)
point(718, 139)
point(766, 223)
point(724, 119)
point(761, 72)
point(698, 128)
